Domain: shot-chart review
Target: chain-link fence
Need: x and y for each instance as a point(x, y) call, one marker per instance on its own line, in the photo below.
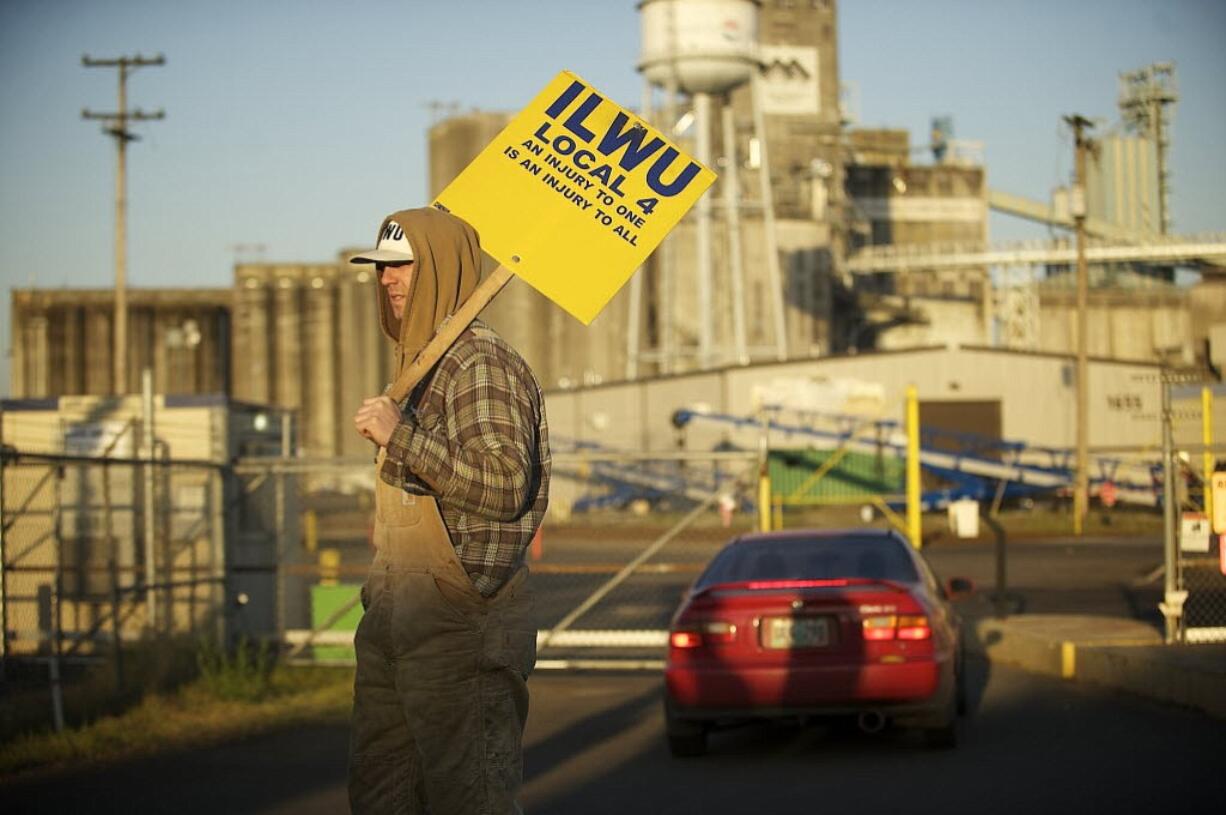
point(611, 579)
point(99, 552)
point(625, 535)
point(308, 539)
point(1198, 412)
point(102, 558)
point(802, 480)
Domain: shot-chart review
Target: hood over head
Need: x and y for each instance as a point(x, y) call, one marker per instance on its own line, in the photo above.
point(446, 255)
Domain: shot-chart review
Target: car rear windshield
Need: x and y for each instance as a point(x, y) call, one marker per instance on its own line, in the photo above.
point(823, 558)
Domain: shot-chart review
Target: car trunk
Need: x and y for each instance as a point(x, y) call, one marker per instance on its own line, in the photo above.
point(789, 643)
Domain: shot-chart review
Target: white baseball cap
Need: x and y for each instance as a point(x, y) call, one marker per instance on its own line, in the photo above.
point(393, 246)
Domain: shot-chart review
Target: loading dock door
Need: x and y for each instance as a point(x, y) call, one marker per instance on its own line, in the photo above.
point(978, 417)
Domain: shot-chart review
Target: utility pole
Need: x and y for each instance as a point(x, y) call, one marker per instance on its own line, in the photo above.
point(1173, 597)
point(1081, 491)
point(116, 125)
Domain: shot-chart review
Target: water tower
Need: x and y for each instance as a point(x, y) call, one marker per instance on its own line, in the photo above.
point(705, 49)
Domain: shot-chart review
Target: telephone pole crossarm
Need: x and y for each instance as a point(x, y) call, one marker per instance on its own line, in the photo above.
point(118, 123)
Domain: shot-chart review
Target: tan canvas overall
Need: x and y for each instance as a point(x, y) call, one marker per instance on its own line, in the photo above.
point(440, 693)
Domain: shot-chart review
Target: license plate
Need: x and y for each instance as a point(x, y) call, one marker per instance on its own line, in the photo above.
point(796, 632)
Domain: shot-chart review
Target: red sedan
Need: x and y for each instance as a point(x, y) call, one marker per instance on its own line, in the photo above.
point(815, 623)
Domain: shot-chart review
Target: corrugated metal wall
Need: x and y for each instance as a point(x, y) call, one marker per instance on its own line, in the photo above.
point(1122, 183)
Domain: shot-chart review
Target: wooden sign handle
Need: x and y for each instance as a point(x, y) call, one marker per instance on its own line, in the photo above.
point(449, 332)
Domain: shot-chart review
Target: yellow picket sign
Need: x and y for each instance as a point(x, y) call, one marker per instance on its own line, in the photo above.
point(572, 196)
point(575, 193)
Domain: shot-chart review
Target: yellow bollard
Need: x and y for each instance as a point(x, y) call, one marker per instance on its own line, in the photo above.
point(1068, 660)
point(329, 566)
point(764, 501)
point(914, 515)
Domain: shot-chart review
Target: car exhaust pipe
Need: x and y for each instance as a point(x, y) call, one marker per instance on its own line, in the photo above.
point(871, 722)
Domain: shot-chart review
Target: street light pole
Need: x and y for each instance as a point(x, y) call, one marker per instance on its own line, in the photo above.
point(1081, 491)
point(116, 125)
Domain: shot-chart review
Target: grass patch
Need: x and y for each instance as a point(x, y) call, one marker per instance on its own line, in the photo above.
point(234, 696)
point(96, 687)
point(244, 676)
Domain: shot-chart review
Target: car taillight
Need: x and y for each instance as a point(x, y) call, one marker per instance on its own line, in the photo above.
point(685, 639)
point(712, 631)
point(879, 628)
point(914, 627)
point(902, 627)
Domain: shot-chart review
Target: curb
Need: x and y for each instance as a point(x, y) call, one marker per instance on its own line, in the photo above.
point(1135, 661)
point(1130, 670)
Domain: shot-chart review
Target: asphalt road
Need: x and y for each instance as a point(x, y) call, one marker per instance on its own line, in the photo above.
point(595, 745)
point(595, 742)
point(1034, 745)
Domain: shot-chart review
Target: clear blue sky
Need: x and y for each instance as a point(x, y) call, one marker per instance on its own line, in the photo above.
point(297, 124)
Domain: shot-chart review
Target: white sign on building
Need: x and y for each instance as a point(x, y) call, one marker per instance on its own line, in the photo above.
point(790, 80)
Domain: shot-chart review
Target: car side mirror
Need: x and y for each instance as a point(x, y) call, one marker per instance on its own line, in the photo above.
point(959, 588)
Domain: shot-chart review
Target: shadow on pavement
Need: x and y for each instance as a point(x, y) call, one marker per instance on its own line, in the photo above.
point(300, 770)
point(1037, 745)
point(583, 733)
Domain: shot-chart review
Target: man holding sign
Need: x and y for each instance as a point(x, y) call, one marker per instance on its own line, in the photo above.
point(446, 644)
point(572, 196)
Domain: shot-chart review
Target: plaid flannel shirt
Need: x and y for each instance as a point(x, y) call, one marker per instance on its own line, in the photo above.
point(473, 435)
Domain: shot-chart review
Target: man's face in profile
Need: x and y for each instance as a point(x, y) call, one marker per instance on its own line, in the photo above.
point(396, 278)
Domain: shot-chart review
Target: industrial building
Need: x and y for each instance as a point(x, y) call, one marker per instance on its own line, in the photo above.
point(305, 340)
point(62, 341)
point(827, 187)
point(967, 395)
point(984, 380)
point(857, 243)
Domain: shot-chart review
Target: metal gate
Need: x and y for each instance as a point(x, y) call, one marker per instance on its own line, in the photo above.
point(626, 535)
point(1196, 595)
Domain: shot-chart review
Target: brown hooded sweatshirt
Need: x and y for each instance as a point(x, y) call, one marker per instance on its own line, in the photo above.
point(446, 267)
point(473, 434)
